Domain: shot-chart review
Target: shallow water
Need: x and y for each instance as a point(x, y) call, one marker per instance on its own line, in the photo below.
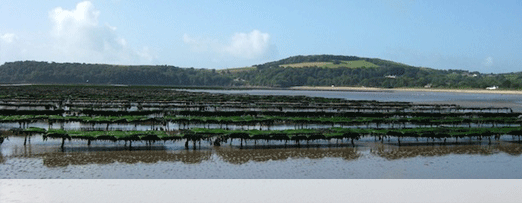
point(330, 160)
point(464, 99)
point(368, 159)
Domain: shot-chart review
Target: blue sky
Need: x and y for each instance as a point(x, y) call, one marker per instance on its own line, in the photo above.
point(483, 36)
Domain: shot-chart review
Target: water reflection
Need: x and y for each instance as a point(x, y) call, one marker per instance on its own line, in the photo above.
point(235, 156)
point(110, 153)
point(128, 157)
point(393, 153)
point(102, 153)
point(156, 154)
point(514, 149)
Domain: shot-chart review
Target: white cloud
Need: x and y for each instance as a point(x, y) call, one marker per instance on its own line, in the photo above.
point(82, 17)
point(78, 36)
point(244, 46)
point(188, 39)
point(8, 38)
point(488, 62)
point(249, 45)
point(196, 44)
point(145, 54)
point(11, 47)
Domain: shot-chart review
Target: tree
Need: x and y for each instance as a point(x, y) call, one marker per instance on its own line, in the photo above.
point(506, 84)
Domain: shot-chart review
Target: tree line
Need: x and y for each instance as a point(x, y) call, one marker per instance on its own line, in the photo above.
point(80, 73)
point(399, 75)
point(389, 74)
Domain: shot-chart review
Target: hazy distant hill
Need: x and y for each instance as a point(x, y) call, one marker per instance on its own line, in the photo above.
point(314, 70)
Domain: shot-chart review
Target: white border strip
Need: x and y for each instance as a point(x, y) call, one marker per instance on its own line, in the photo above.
point(130, 191)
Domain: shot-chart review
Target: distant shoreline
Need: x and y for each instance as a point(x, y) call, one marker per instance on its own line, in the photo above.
point(374, 89)
point(311, 88)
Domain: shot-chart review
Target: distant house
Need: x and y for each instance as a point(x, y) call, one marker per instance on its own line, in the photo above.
point(494, 87)
point(391, 76)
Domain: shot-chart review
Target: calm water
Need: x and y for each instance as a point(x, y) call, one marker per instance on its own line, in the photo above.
point(44, 159)
point(368, 159)
point(465, 99)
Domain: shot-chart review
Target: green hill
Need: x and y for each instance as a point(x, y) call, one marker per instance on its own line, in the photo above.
point(326, 70)
point(332, 64)
point(80, 73)
point(314, 70)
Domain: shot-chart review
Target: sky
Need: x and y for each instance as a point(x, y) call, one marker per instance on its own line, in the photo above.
point(484, 36)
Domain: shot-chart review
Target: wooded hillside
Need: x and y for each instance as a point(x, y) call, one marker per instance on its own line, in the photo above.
point(382, 73)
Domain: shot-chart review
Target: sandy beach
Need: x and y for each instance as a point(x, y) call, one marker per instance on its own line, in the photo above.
point(370, 89)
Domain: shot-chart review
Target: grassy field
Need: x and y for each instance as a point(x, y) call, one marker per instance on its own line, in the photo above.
point(235, 70)
point(350, 64)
